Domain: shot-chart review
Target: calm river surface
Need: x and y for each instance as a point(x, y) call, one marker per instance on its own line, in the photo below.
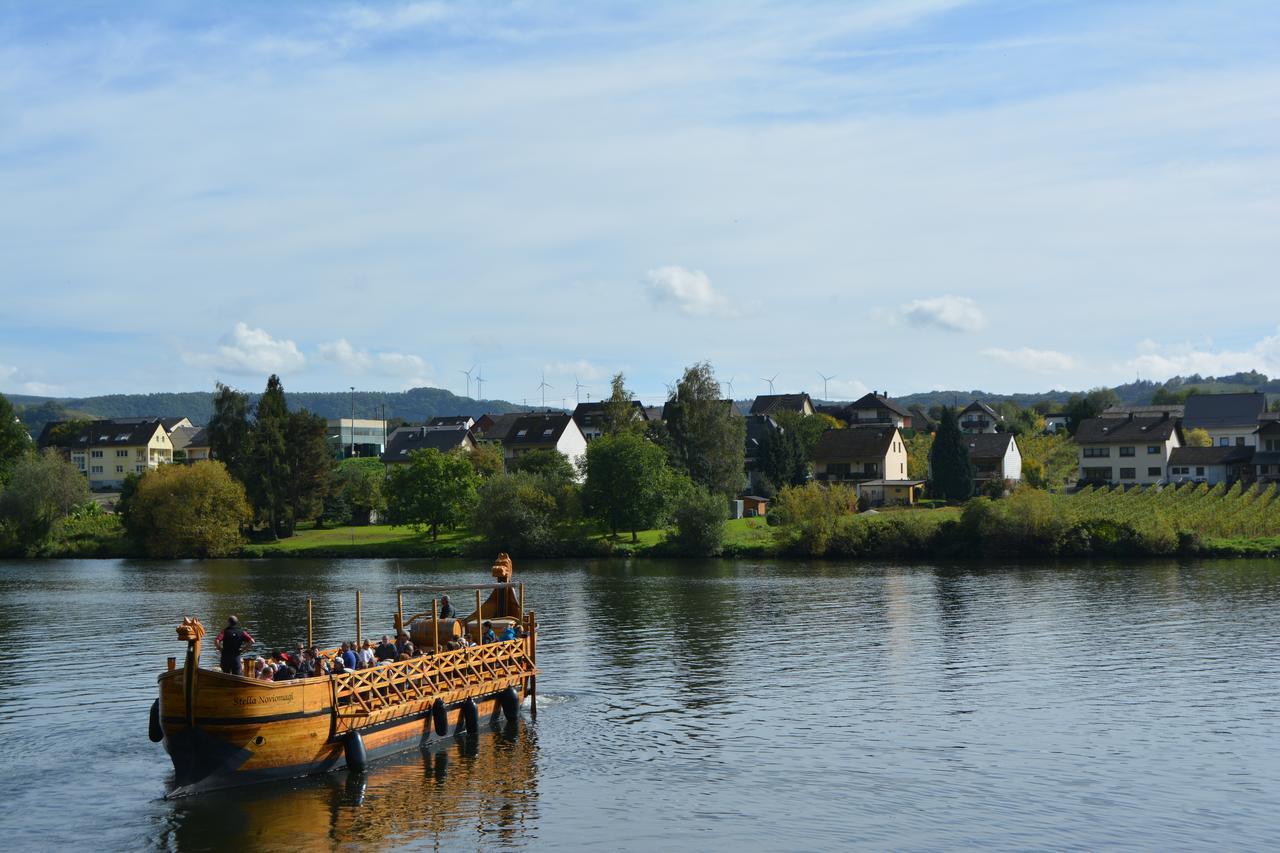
point(694, 705)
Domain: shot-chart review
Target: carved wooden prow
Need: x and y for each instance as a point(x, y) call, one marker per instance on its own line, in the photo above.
point(192, 631)
point(502, 568)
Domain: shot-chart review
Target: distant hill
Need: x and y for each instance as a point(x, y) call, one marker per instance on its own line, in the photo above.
point(415, 405)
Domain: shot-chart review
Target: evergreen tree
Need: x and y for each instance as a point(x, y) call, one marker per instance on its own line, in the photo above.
point(310, 464)
point(267, 466)
point(707, 437)
point(782, 457)
point(951, 468)
point(229, 430)
point(14, 440)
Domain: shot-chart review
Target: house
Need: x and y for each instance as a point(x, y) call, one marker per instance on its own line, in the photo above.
point(978, 417)
point(1230, 419)
point(754, 506)
point(107, 451)
point(995, 456)
point(170, 424)
point(544, 431)
point(1054, 423)
point(920, 420)
point(876, 408)
point(758, 428)
point(860, 453)
point(356, 436)
point(769, 404)
point(1153, 411)
point(497, 428)
point(889, 492)
point(1266, 457)
point(482, 424)
point(1212, 465)
point(451, 421)
point(1128, 450)
point(190, 444)
point(444, 438)
point(590, 417)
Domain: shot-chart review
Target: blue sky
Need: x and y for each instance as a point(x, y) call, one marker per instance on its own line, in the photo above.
point(907, 194)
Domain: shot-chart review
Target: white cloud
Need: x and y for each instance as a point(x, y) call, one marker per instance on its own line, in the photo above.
point(953, 313)
point(252, 351)
point(844, 389)
point(688, 290)
point(1162, 362)
point(584, 370)
point(392, 18)
point(16, 381)
point(1035, 360)
point(412, 370)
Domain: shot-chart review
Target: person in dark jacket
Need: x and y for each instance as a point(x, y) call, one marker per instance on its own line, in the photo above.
point(230, 640)
point(488, 636)
point(446, 609)
point(386, 650)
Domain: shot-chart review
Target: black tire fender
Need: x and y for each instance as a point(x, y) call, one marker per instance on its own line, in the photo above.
point(153, 728)
point(440, 717)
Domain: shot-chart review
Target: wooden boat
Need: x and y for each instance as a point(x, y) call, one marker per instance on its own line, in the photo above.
point(223, 730)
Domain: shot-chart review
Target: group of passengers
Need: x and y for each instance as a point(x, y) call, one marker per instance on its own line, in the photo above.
point(283, 665)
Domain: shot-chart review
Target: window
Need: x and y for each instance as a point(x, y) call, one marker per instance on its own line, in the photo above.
point(96, 454)
point(1199, 470)
point(521, 433)
point(140, 468)
point(122, 453)
point(546, 433)
point(1239, 441)
point(1224, 442)
point(1128, 473)
point(1273, 444)
point(96, 469)
point(1128, 451)
point(1179, 471)
point(124, 436)
point(838, 469)
point(1096, 452)
point(1153, 448)
point(119, 469)
point(1097, 473)
point(1153, 472)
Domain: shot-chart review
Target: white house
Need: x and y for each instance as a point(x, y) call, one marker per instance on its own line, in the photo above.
point(544, 431)
point(995, 456)
point(978, 417)
point(1212, 465)
point(1127, 450)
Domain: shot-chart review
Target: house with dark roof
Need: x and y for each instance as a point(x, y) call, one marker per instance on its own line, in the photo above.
point(190, 444)
point(978, 417)
point(1128, 450)
point(443, 438)
point(590, 417)
point(1230, 419)
point(1212, 465)
point(170, 424)
point(920, 420)
point(758, 429)
point(107, 451)
point(875, 408)
point(497, 428)
point(1266, 457)
point(544, 431)
point(771, 404)
point(860, 453)
point(450, 421)
point(995, 456)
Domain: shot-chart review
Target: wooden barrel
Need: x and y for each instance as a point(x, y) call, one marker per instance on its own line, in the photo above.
point(421, 632)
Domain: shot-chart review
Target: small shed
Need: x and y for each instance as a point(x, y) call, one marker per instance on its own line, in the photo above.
point(754, 506)
point(890, 492)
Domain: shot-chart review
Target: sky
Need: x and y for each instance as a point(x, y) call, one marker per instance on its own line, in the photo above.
point(901, 195)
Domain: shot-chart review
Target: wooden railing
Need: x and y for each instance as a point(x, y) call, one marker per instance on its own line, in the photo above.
point(410, 686)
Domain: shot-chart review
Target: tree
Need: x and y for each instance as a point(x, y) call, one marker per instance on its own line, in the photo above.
point(515, 514)
point(1169, 397)
point(918, 447)
point(229, 430)
point(14, 440)
point(487, 460)
point(949, 460)
point(619, 409)
point(355, 491)
point(698, 522)
point(707, 436)
point(551, 465)
point(310, 463)
point(42, 488)
point(267, 466)
point(432, 490)
point(1081, 407)
point(626, 482)
point(1198, 437)
point(188, 511)
point(1048, 461)
point(782, 457)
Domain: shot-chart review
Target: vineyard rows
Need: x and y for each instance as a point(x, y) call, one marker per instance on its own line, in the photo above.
point(1237, 511)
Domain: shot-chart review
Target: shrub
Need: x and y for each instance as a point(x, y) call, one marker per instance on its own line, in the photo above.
point(188, 511)
point(42, 489)
point(809, 515)
point(514, 513)
point(699, 518)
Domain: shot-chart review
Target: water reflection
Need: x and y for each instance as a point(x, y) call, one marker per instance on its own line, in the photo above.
point(465, 791)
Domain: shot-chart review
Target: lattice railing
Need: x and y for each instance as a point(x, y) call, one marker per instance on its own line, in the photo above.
point(452, 675)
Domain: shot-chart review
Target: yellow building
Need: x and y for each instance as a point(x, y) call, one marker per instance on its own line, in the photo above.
point(109, 450)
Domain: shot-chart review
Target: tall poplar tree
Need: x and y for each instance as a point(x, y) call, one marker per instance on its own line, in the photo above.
point(229, 430)
point(951, 468)
point(268, 463)
point(310, 465)
point(707, 438)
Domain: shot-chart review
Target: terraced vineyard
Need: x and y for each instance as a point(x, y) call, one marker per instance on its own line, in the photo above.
point(1245, 512)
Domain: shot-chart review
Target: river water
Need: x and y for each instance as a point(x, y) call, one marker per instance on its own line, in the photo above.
point(694, 705)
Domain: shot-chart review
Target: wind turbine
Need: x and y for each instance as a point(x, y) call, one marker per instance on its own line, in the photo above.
point(730, 384)
point(825, 379)
point(467, 373)
point(577, 388)
point(770, 381)
point(480, 384)
point(543, 386)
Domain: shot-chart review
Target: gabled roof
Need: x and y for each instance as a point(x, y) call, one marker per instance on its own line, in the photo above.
point(1270, 426)
point(407, 439)
point(1116, 430)
point(988, 445)
point(451, 420)
point(767, 404)
point(758, 426)
point(540, 430)
point(983, 408)
point(920, 418)
point(114, 432)
point(188, 436)
point(1232, 455)
point(170, 424)
point(587, 413)
point(501, 425)
point(858, 442)
point(879, 401)
point(1173, 411)
point(1209, 411)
